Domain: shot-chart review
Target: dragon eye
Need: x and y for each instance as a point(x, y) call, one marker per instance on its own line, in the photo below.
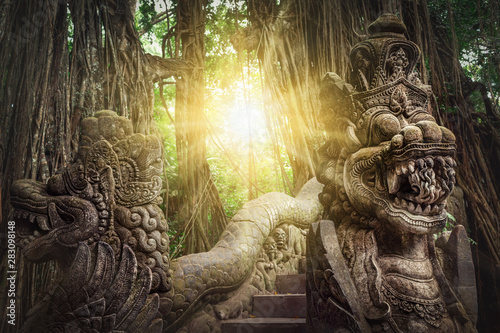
point(385, 126)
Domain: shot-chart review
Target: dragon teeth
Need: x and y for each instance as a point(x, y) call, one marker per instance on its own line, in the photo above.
point(418, 209)
point(393, 182)
point(421, 163)
point(43, 222)
point(398, 170)
point(425, 177)
point(404, 169)
point(411, 166)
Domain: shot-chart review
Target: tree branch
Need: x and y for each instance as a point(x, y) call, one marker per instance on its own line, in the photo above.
point(246, 39)
point(162, 68)
point(478, 86)
point(160, 17)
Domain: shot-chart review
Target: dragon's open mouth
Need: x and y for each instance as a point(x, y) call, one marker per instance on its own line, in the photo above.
point(28, 198)
point(42, 219)
point(419, 186)
point(31, 226)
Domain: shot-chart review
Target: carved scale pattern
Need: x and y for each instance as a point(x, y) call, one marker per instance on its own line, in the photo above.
point(432, 311)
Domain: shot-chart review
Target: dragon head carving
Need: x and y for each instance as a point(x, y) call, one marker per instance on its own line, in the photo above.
point(388, 160)
point(109, 193)
point(388, 170)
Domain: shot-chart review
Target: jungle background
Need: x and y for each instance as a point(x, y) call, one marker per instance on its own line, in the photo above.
point(232, 88)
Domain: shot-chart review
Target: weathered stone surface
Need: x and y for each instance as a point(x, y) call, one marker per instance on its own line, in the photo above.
point(387, 170)
point(280, 306)
point(278, 223)
point(291, 284)
point(456, 206)
point(102, 298)
point(265, 325)
point(111, 194)
point(456, 261)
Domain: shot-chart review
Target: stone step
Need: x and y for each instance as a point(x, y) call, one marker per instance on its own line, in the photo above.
point(264, 325)
point(291, 284)
point(280, 306)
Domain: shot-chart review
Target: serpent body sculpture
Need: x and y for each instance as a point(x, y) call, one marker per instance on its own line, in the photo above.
point(388, 171)
point(109, 198)
point(231, 260)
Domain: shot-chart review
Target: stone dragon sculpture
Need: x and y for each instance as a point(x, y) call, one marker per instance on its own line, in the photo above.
point(388, 169)
point(100, 218)
point(374, 266)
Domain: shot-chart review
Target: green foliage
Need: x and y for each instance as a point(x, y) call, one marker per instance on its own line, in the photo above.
point(167, 129)
point(234, 113)
point(145, 15)
point(478, 37)
point(71, 33)
point(176, 243)
point(477, 100)
point(234, 108)
point(233, 93)
point(449, 227)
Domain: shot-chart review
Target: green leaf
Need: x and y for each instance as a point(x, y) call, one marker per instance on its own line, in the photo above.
point(451, 217)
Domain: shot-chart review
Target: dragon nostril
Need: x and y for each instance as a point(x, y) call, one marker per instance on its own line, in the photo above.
point(430, 130)
point(412, 134)
point(397, 141)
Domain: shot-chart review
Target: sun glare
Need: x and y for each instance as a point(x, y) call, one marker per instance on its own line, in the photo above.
point(246, 120)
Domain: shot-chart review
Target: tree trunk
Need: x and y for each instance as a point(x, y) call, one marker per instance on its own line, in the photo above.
point(198, 192)
point(35, 119)
point(49, 83)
